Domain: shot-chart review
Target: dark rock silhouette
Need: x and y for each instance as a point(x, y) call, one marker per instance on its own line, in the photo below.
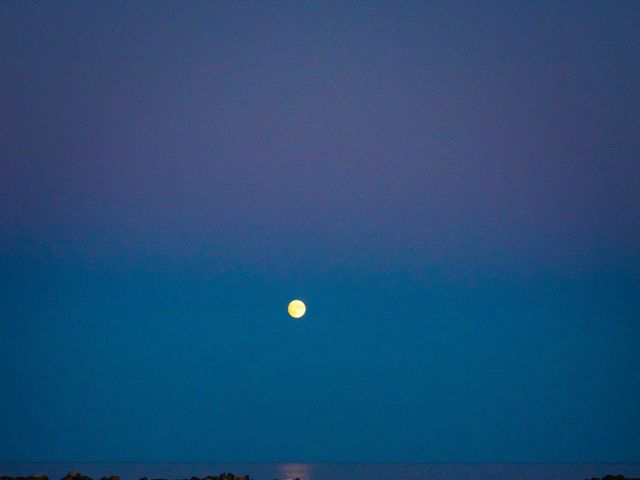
point(79, 476)
point(30, 477)
point(222, 476)
point(75, 476)
point(614, 477)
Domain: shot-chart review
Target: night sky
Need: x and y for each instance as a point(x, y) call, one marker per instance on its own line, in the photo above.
point(453, 188)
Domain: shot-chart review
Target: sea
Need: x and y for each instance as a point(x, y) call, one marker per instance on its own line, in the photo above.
point(330, 471)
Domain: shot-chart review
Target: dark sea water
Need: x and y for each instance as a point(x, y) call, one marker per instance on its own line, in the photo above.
point(332, 471)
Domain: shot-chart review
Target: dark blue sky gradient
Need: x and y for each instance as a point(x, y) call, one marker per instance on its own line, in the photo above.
point(453, 188)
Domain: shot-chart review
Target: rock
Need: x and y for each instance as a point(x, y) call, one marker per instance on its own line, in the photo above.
point(75, 476)
point(30, 477)
point(614, 477)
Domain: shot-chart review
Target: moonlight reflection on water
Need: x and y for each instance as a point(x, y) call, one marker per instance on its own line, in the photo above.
point(290, 471)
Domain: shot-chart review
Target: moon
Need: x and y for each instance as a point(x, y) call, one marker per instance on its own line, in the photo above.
point(297, 308)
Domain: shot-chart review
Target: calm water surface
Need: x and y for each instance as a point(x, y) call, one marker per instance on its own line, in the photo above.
point(331, 471)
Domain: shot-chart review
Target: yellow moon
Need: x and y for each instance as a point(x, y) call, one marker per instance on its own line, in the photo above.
point(297, 308)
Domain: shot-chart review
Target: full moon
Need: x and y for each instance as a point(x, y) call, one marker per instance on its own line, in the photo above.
point(297, 308)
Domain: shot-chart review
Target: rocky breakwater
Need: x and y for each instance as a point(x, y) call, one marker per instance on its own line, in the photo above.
point(222, 476)
point(614, 477)
point(79, 476)
point(30, 477)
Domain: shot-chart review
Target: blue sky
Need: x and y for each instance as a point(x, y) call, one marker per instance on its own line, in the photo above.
point(453, 188)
